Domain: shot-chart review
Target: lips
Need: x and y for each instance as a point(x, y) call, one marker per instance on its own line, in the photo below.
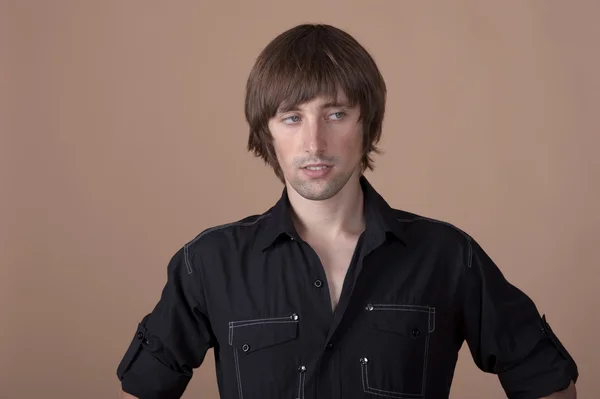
point(316, 167)
point(316, 171)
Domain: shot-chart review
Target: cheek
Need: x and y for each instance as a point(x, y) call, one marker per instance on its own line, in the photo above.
point(282, 151)
point(353, 144)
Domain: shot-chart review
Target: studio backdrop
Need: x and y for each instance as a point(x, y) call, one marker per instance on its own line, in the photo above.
point(122, 136)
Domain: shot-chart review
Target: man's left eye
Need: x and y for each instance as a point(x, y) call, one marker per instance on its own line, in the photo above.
point(338, 115)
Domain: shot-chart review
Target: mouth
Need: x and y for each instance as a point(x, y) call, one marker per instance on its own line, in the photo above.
point(316, 167)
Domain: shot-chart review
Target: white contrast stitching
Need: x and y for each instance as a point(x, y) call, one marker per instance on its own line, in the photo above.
point(402, 310)
point(381, 392)
point(301, 385)
point(467, 237)
point(430, 328)
point(393, 305)
point(215, 228)
point(431, 320)
point(414, 308)
point(278, 320)
point(425, 366)
point(234, 323)
point(264, 322)
point(223, 226)
point(237, 369)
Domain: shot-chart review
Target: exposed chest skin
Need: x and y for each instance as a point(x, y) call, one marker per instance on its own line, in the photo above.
point(335, 256)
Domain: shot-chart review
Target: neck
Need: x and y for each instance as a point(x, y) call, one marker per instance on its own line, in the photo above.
point(339, 216)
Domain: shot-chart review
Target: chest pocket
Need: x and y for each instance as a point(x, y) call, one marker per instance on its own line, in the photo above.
point(394, 363)
point(265, 355)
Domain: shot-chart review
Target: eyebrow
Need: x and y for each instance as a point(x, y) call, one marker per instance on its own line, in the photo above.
point(289, 108)
point(336, 104)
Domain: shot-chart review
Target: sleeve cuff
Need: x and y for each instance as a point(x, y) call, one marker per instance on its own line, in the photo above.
point(549, 368)
point(145, 376)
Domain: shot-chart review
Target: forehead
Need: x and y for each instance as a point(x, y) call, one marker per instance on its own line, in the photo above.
point(319, 101)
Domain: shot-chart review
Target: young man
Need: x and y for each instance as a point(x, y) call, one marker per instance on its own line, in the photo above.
point(332, 293)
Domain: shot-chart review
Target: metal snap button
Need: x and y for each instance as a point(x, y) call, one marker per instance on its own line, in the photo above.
point(369, 307)
point(245, 347)
point(318, 283)
point(416, 332)
point(302, 369)
point(140, 335)
point(364, 360)
point(294, 316)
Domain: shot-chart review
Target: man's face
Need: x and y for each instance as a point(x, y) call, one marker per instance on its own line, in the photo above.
point(318, 146)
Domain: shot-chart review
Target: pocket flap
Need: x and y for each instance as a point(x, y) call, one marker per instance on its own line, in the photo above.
point(252, 335)
point(413, 322)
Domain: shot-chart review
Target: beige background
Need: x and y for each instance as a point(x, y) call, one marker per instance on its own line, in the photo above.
point(123, 137)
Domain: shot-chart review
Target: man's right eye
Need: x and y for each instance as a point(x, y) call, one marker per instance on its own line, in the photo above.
point(291, 119)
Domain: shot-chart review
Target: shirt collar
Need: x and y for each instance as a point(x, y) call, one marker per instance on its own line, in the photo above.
point(380, 219)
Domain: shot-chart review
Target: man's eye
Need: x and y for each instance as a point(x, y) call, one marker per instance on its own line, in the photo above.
point(292, 119)
point(338, 115)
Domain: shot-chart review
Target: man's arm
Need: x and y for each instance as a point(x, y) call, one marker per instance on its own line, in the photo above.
point(569, 393)
point(173, 339)
point(507, 336)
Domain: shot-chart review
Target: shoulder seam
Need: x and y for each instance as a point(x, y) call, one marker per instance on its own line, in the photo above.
point(216, 228)
point(467, 237)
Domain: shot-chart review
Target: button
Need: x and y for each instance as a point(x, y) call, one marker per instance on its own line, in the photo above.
point(146, 342)
point(140, 335)
point(294, 316)
point(318, 283)
point(302, 369)
point(364, 360)
point(329, 346)
point(245, 347)
point(416, 332)
point(369, 307)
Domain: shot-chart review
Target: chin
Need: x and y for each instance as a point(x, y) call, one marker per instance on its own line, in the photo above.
point(318, 189)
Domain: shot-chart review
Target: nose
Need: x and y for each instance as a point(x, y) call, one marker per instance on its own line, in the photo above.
point(314, 137)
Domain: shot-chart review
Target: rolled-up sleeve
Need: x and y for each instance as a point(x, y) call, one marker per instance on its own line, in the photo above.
point(172, 340)
point(507, 336)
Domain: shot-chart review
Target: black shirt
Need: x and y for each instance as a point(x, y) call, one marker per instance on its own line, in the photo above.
point(416, 289)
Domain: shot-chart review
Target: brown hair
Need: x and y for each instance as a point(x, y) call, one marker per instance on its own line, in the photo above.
point(302, 63)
